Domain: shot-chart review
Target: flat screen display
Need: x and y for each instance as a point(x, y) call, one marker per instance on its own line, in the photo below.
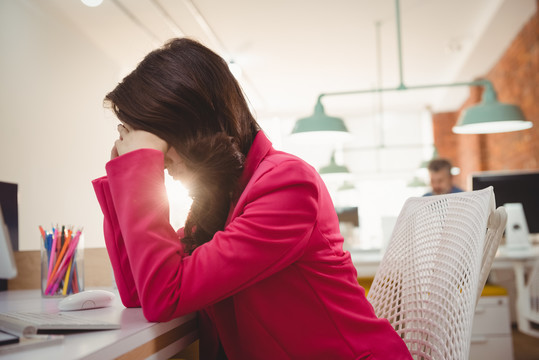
point(513, 187)
point(9, 202)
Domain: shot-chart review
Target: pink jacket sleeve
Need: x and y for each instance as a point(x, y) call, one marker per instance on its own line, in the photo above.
point(116, 246)
point(276, 216)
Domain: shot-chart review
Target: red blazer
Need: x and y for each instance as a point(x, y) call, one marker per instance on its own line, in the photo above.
point(275, 284)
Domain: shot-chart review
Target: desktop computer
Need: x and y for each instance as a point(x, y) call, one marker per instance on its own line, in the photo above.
point(518, 192)
point(8, 269)
point(9, 231)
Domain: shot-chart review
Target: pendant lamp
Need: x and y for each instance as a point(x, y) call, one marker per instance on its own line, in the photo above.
point(346, 186)
point(334, 172)
point(320, 128)
point(333, 167)
point(491, 116)
point(417, 182)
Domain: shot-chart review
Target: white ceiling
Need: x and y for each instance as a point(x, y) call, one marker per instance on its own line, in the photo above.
point(290, 51)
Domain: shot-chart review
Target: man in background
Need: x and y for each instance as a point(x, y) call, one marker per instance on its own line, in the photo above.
point(441, 179)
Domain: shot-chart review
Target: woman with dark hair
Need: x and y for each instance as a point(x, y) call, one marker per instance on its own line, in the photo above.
point(260, 256)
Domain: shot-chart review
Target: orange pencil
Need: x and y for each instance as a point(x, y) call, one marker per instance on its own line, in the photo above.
point(43, 234)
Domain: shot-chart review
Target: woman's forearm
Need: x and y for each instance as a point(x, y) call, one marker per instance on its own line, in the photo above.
point(115, 246)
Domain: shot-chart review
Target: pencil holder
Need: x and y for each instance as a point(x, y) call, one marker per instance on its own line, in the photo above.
point(62, 262)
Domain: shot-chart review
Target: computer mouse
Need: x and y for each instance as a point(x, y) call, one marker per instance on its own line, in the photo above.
point(89, 299)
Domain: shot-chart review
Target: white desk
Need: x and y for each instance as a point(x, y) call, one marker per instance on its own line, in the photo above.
point(508, 259)
point(519, 262)
point(367, 262)
point(136, 339)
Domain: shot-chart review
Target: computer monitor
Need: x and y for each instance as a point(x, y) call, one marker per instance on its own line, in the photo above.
point(9, 231)
point(9, 201)
point(513, 187)
point(8, 269)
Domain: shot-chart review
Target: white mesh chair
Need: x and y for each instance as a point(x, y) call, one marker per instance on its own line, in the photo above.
point(434, 268)
point(528, 300)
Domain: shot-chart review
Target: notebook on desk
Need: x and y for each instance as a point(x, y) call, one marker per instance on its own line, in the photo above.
point(27, 323)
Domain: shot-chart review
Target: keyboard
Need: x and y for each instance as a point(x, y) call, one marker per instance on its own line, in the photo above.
point(27, 323)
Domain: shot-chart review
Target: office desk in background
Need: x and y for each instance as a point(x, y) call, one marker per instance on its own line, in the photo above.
point(367, 262)
point(506, 259)
point(136, 339)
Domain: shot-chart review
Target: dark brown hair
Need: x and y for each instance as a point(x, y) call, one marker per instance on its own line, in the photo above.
point(185, 94)
point(440, 164)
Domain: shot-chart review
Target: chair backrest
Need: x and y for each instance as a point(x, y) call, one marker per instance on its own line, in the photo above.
point(496, 224)
point(434, 268)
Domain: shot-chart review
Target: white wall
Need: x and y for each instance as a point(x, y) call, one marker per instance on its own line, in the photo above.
point(55, 136)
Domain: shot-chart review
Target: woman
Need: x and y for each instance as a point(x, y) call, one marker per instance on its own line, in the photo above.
point(260, 257)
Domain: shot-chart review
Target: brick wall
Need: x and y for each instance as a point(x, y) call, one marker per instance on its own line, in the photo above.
point(516, 80)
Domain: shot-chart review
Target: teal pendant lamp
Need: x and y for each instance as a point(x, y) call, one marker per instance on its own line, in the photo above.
point(320, 128)
point(346, 186)
point(333, 167)
point(334, 172)
point(417, 182)
point(491, 116)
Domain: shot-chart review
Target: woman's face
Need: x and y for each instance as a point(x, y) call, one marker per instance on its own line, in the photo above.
point(176, 167)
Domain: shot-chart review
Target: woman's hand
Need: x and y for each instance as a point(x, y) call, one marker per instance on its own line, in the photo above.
point(113, 152)
point(131, 140)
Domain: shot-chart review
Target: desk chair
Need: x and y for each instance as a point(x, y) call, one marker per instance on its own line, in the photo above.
point(528, 302)
point(434, 268)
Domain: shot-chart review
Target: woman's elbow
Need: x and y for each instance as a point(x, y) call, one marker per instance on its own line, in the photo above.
point(130, 301)
point(156, 309)
point(162, 311)
point(130, 304)
point(154, 313)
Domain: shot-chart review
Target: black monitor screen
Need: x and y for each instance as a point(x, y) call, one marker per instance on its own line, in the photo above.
point(9, 203)
point(521, 187)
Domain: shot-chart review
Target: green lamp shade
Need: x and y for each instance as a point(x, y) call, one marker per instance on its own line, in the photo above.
point(417, 182)
point(346, 186)
point(319, 121)
point(320, 127)
point(491, 116)
point(333, 167)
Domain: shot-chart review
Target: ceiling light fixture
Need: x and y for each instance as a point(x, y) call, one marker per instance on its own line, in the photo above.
point(324, 128)
point(490, 116)
point(335, 173)
point(333, 167)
